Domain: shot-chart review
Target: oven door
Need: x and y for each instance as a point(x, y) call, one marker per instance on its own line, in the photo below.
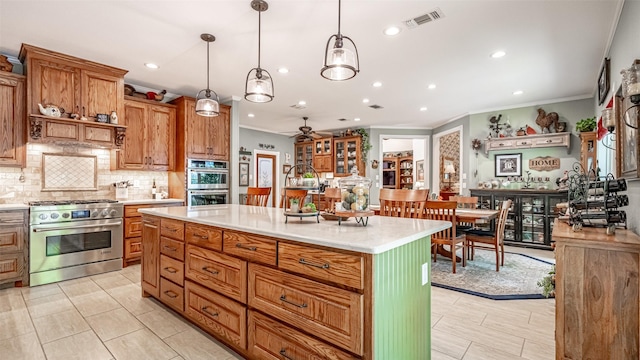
point(207, 179)
point(207, 197)
point(54, 246)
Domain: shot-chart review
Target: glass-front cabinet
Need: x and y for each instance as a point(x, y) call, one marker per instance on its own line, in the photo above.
point(530, 219)
point(347, 155)
point(304, 156)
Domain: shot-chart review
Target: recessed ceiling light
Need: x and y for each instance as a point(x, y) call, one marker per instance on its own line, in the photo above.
point(151, 65)
point(432, 86)
point(392, 30)
point(302, 102)
point(365, 100)
point(283, 70)
point(377, 84)
point(250, 115)
point(424, 108)
point(498, 54)
point(518, 92)
point(356, 119)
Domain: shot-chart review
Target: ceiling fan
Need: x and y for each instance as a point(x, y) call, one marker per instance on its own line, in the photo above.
point(306, 133)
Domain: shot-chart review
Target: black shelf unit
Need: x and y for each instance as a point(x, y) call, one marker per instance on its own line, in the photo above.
point(531, 217)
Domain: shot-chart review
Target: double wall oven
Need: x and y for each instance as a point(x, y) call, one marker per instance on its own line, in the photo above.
point(207, 182)
point(71, 239)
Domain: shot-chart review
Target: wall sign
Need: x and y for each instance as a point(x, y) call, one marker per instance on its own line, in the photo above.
point(546, 163)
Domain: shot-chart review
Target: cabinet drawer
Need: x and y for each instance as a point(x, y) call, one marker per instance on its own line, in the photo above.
point(172, 269)
point(271, 340)
point(550, 141)
point(171, 294)
point(204, 236)
point(322, 264)
point(133, 227)
point(132, 210)
point(12, 218)
point(172, 228)
point(251, 247)
point(217, 314)
point(332, 314)
point(172, 248)
point(225, 274)
point(132, 248)
point(11, 239)
point(523, 142)
point(502, 144)
point(11, 266)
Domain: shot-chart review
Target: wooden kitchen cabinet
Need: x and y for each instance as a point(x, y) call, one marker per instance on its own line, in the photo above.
point(589, 152)
point(14, 247)
point(150, 138)
point(12, 120)
point(322, 159)
point(150, 257)
point(304, 156)
point(347, 154)
point(77, 86)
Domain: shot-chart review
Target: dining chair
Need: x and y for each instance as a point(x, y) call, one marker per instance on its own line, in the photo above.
point(403, 202)
point(258, 196)
point(491, 239)
point(287, 195)
point(332, 196)
point(446, 211)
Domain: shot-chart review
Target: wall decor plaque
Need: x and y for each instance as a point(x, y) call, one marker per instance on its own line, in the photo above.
point(544, 163)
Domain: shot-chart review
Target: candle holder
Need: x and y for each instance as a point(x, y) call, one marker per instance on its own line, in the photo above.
point(526, 182)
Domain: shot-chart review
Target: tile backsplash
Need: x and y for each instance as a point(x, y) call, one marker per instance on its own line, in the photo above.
point(17, 189)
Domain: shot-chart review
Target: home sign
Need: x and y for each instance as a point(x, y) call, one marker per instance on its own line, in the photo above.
point(546, 163)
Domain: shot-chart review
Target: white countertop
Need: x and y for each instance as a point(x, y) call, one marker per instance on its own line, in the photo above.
point(14, 207)
point(149, 201)
point(381, 234)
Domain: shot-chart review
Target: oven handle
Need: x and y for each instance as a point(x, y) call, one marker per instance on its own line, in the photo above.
point(208, 192)
point(35, 228)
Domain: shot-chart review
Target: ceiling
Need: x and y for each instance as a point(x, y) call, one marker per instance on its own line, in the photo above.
point(553, 51)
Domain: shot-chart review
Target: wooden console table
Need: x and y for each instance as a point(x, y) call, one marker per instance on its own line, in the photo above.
point(597, 293)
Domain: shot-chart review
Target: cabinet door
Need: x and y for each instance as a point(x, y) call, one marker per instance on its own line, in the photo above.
point(151, 256)
point(101, 94)
point(197, 129)
point(219, 135)
point(160, 129)
point(133, 155)
point(54, 83)
point(12, 119)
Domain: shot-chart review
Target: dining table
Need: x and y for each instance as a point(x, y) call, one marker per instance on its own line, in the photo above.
point(464, 215)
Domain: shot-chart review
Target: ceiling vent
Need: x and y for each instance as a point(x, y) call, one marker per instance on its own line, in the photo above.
point(377, 107)
point(298, 106)
point(433, 15)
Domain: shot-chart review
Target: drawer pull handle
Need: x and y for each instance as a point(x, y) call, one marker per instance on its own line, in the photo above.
point(170, 229)
point(201, 236)
point(171, 270)
point(323, 266)
point(171, 294)
point(170, 248)
point(284, 298)
point(250, 248)
point(283, 352)
point(204, 310)
point(212, 272)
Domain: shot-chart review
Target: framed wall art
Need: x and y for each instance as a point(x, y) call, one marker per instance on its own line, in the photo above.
point(603, 81)
point(286, 168)
point(627, 141)
point(508, 165)
point(244, 174)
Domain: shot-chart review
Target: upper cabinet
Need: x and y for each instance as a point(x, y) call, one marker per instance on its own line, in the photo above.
point(322, 159)
point(77, 86)
point(347, 155)
point(529, 141)
point(12, 119)
point(149, 144)
point(200, 137)
point(304, 156)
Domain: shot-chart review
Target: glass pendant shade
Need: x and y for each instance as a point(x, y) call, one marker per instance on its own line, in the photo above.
point(206, 104)
point(340, 61)
point(259, 87)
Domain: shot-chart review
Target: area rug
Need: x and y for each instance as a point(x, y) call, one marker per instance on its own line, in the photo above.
point(516, 279)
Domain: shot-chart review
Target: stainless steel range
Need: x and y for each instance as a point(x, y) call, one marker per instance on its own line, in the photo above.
point(75, 238)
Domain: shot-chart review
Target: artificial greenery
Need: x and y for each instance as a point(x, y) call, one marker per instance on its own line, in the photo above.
point(588, 124)
point(294, 201)
point(365, 145)
point(307, 175)
point(548, 283)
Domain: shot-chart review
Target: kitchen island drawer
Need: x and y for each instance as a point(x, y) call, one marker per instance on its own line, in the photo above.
point(341, 268)
point(217, 314)
point(172, 228)
point(204, 236)
point(172, 248)
point(172, 269)
point(251, 247)
point(332, 314)
point(172, 294)
point(223, 273)
point(272, 340)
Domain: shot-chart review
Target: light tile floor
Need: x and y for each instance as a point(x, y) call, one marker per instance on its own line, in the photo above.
point(104, 317)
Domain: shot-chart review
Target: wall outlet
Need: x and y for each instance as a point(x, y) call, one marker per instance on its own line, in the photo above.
point(136, 183)
point(464, 176)
point(464, 185)
point(425, 273)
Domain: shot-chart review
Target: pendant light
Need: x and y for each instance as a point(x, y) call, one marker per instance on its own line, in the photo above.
point(340, 62)
point(207, 101)
point(259, 85)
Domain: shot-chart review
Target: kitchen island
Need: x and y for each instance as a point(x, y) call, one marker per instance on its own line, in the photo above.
point(276, 290)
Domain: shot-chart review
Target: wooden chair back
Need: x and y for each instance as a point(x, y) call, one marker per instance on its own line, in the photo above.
point(502, 221)
point(332, 196)
point(465, 202)
point(443, 211)
point(287, 195)
point(403, 202)
point(488, 240)
point(258, 196)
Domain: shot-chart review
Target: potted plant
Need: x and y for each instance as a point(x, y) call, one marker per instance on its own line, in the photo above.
point(586, 125)
point(294, 205)
point(308, 179)
point(548, 284)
